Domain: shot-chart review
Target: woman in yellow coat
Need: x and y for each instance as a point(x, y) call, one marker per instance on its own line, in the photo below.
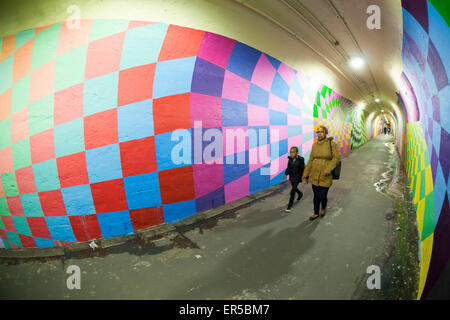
point(323, 159)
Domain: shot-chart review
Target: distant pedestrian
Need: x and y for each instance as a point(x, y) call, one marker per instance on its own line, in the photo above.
point(384, 130)
point(323, 159)
point(295, 167)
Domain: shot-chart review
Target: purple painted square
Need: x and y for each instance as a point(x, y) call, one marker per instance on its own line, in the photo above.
point(436, 66)
point(207, 78)
point(419, 10)
point(211, 200)
point(444, 153)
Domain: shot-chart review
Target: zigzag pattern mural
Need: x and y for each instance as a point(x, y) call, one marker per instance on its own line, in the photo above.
point(359, 129)
point(90, 119)
point(426, 63)
point(335, 112)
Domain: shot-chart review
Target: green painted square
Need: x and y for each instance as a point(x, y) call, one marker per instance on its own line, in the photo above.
point(69, 68)
point(31, 205)
point(5, 133)
point(4, 209)
point(104, 27)
point(315, 113)
point(6, 72)
point(20, 94)
point(324, 114)
point(21, 225)
point(10, 184)
point(44, 46)
point(46, 175)
point(14, 238)
point(422, 184)
point(41, 115)
point(428, 216)
point(2, 226)
point(23, 37)
point(21, 154)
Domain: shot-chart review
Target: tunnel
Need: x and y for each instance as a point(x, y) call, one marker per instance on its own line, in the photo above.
point(146, 139)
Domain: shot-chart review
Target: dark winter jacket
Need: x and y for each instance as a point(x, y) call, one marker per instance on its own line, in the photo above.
point(295, 169)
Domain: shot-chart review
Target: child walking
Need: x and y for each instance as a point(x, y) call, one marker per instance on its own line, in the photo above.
point(295, 167)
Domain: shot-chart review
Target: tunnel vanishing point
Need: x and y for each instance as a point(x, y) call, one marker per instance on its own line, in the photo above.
point(140, 115)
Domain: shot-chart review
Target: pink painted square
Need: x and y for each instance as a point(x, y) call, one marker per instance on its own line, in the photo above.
point(286, 72)
point(216, 49)
point(294, 99)
point(235, 140)
point(294, 120)
point(258, 157)
point(278, 165)
point(70, 38)
point(264, 73)
point(235, 87)
point(237, 189)
point(276, 103)
point(257, 116)
point(206, 109)
point(306, 146)
point(278, 133)
point(295, 141)
point(19, 125)
point(207, 178)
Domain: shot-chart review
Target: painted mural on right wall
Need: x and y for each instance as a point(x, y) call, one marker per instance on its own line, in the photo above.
point(426, 70)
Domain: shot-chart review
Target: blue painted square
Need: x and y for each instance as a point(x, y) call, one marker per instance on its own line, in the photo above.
point(243, 60)
point(78, 200)
point(234, 168)
point(277, 118)
point(210, 200)
point(207, 78)
point(13, 238)
point(297, 88)
point(135, 121)
point(275, 62)
point(60, 228)
point(100, 93)
point(31, 205)
point(69, 137)
point(258, 96)
point(44, 243)
point(258, 136)
point(104, 163)
point(280, 88)
point(173, 77)
point(142, 191)
point(46, 175)
point(258, 181)
point(277, 179)
point(176, 211)
point(171, 153)
point(113, 224)
point(142, 45)
point(234, 113)
point(278, 149)
point(294, 131)
point(291, 109)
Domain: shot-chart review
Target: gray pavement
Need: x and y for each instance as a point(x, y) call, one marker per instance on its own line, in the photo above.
point(255, 251)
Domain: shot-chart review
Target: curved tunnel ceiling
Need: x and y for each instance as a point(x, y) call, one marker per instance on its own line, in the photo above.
point(337, 30)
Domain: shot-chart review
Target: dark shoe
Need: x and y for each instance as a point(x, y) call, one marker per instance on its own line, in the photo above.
point(313, 217)
point(288, 210)
point(299, 197)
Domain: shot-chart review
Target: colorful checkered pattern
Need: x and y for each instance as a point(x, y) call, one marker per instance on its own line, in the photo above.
point(87, 117)
point(426, 62)
point(335, 112)
point(359, 128)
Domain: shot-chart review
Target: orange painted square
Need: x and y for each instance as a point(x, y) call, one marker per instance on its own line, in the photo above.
point(42, 81)
point(6, 163)
point(171, 113)
point(136, 84)
point(5, 104)
point(8, 44)
point(138, 156)
point(180, 42)
point(22, 60)
point(42, 146)
point(68, 104)
point(146, 217)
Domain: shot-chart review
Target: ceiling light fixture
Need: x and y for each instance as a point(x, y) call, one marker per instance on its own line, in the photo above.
point(357, 62)
point(377, 100)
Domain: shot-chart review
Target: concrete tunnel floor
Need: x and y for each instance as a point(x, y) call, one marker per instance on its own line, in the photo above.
point(257, 251)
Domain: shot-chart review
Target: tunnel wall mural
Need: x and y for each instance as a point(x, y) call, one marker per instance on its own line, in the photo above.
point(119, 125)
point(426, 63)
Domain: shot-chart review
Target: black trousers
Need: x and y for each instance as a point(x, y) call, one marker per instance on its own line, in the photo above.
point(294, 190)
point(320, 197)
